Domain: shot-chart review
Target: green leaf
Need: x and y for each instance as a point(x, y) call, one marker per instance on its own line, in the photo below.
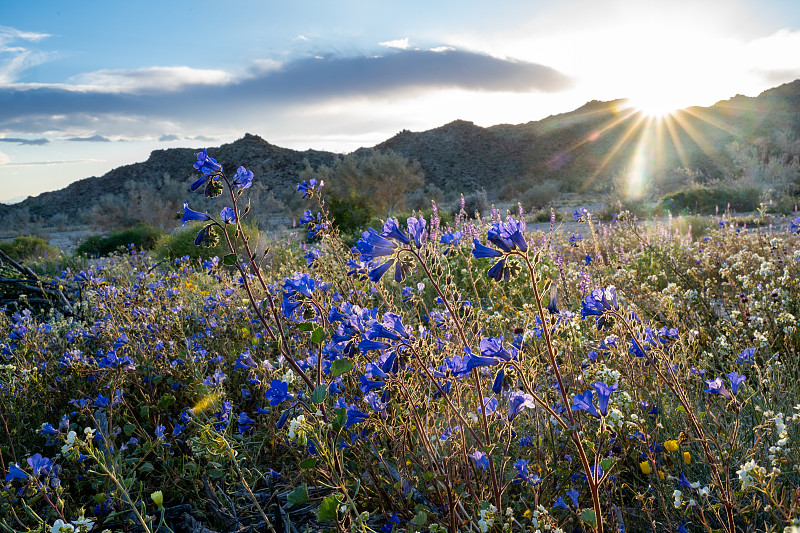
point(588, 516)
point(605, 464)
point(144, 411)
point(166, 401)
point(298, 496)
point(318, 336)
point(146, 468)
point(128, 429)
point(420, 519)
point(329, 506)
point(341, 418)
point(305, 326)
point(308, 463)
point(216, 473)
point(230, 259)
point(340, 366)
point(319, 394)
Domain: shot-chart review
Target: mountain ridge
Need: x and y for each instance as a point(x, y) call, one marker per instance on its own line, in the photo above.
point(575, 149)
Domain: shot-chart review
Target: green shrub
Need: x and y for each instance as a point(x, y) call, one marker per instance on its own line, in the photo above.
point(28, 247)
point(181, 244)
point(351, 215)
point(785, 206)
point(142, 236)
point(706, 200)
point(637, 207)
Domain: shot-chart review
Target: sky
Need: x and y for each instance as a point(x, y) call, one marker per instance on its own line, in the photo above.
point(87, 86)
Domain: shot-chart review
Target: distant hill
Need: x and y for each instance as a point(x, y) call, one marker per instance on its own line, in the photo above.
point(580, 150)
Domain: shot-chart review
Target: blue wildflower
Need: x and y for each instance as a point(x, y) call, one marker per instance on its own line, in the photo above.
point(573, 494)
point(310, 187)
point(243, 178)
point(584, 402)
point(15, 472)
point(517, 401)
point(560, 503)
point(189, 214)
point(278, 392)
point(716, 386)
point(523, 475)
point(745, 357)
point(481, 460)
point(354, 416)
point(603, 395)
point(227, 215)
point(736, 380)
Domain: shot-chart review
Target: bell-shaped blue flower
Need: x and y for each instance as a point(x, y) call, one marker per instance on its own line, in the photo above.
point(189, 215)
point(584, 402)
point(243, 178)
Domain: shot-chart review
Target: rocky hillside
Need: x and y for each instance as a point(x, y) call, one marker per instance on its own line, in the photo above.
point(579, 150)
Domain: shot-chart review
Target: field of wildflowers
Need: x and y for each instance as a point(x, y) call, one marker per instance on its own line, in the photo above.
point(475, 377)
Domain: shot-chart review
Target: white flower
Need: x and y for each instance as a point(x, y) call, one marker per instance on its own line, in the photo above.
point(65, 449)
point(61, 527)
point(83, 524)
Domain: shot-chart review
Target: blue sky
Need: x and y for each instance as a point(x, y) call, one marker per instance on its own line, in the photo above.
point(86, 86)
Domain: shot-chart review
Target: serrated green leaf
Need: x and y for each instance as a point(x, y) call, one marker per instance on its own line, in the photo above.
point(341, 366)
point(588, 516)
point(298, 496)
point(318, 336)
point(329, 506)
point(230, 259)
point(308, 463)
point(319, 394)
point(305, 326)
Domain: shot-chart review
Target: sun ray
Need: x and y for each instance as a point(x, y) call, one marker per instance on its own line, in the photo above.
point(636, 125)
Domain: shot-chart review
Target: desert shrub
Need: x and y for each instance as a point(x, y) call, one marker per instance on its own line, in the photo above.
point(142, 237)
point(475, 202)
point(638, 207)
point(28, 247)
point(540, 195)
point(708, 200)
point(350, 215)
point(181, 243)
point(786, 205)
point(421, 198)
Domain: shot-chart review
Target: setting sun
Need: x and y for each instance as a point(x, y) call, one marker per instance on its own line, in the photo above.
point(655, 106)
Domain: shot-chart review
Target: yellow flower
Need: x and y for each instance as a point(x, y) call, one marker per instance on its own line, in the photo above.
point(527, 513)
point(687, 458)
point(671, 445)
point(661, 474)
point(645, 466)
point(158, 498)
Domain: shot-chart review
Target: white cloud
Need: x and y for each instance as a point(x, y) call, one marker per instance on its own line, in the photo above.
point(400, 44)
point(4, 159)
point(442, 49)
point(150, 79)
point(8, 34)
point(15, 59)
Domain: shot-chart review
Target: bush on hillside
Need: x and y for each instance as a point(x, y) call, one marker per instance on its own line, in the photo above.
point(706, 200)
point(142, 236)
point(181, 244)
point(28, 247)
